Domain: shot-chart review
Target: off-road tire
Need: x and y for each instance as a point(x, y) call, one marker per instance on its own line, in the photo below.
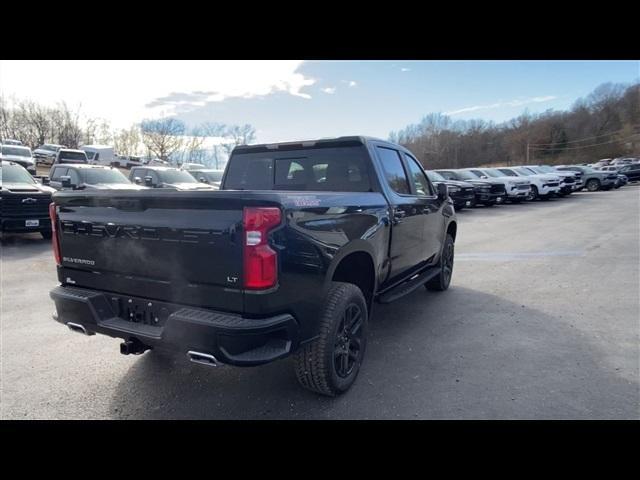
point(441, 281)
point(315, 362)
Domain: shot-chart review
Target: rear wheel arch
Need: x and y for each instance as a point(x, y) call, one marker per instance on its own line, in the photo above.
point(358, 269)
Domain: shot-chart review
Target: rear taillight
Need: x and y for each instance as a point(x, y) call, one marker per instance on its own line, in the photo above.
point(260, 260)
point(53, 214)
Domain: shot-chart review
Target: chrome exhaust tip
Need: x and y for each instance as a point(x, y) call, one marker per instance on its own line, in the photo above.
point(203, 358)
point(76, 327)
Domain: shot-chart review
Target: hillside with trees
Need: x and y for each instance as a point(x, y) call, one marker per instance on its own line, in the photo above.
point(605, 124)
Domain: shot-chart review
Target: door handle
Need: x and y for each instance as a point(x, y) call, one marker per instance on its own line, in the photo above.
point(398, 215)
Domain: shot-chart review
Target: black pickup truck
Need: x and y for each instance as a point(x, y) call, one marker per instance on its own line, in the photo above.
point(287, 258)
point(24, 203)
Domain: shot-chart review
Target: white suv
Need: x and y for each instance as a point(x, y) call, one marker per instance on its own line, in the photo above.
point(518, 189)
point(543, 185)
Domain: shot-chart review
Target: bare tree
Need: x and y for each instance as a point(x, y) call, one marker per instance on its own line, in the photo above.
point(238, 135)
point(126, 141)
point(163, 137)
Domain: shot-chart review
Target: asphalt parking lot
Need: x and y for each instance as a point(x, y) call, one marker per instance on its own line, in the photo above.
point(542, 321)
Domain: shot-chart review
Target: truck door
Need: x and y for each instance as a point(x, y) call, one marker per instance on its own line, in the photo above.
point(432, 219)
point(406, 250)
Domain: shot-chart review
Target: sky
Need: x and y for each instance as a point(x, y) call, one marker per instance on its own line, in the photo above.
point(297, 100)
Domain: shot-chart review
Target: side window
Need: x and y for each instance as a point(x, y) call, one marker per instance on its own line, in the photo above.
point(137, 172)
point(58, 172)
point(394, 171)
point(422, 184)
point(155, 177)
point(75, 178)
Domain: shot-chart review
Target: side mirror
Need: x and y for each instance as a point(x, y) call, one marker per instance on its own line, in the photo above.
point(203, 180)
point(66, 181)
point(137, 180)
point(443, 191)
point(483, 176)
point(148, 181)
point(46, 181)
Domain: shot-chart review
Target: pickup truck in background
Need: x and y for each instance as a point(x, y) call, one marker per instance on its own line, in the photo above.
point(24, 203)
point(287, 258)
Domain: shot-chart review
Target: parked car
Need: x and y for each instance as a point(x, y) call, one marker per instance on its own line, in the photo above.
point(10, 141)
point(543, 186)
point(461, 193)
point(208, 175)
point(92, 177)
point(100, 154)
point(624, 161)
point(20, 155)
point(517, 189)
point(568, 180)
point(488, 191)
point(166, 177)
point(286, 259)
point(24, 203)
point(128, 161)
point(46, 154)
point(192, 166)
point(593, 180)
point(70, 156)
point(632, 172)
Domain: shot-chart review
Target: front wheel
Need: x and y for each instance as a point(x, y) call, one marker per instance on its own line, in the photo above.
point(47, 235)
point(441, 281)
point(593, 185)
point(330, 364)
point(533, 193)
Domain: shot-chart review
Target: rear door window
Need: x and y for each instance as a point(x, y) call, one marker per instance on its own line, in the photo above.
point(394, 170)
point(422, 185)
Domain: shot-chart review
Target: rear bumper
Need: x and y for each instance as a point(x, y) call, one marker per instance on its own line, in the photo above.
point(18, 225)
point(230, 338)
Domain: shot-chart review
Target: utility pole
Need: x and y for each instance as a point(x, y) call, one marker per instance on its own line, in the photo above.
point(527, 153)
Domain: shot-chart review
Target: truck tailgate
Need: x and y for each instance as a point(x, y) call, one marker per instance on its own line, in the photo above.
point(182, 247)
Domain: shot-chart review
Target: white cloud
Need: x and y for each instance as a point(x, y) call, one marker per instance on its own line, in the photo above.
point(329, 90)
point(128, 91)
point(405, 69)
point(350, 83)
point(511, 103)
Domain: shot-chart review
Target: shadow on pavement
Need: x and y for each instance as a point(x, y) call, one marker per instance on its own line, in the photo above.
point(458, 354)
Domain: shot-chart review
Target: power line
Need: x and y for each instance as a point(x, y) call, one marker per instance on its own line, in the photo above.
point(582, 146)
point(586, 138)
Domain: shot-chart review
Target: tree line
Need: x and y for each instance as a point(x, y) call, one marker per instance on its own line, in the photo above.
point(604, 124)
point(167, 138)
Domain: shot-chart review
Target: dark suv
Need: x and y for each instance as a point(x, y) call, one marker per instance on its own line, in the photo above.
point(632, 172)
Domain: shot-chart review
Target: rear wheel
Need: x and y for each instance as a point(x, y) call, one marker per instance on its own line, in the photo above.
point(330, 364)
point(441, 281)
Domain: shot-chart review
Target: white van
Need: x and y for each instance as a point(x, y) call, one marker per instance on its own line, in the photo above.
point(99, 154)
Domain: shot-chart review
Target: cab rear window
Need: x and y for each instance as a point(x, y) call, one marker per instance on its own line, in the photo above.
point(342, 169)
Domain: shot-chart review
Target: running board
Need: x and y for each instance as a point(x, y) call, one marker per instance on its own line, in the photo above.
point(409, 286)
